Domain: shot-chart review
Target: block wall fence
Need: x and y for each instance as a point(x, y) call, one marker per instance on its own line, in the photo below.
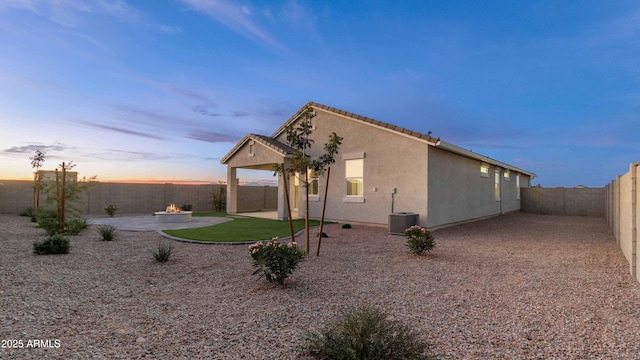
point(17, 195)
point(563, 201)
point(622, 215)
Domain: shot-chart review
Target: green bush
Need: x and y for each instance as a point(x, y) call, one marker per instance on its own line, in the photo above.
point(48, 221)
point(275, 260)
point(76, 225)
point(419, 240)
point(29, 212)
point(163, 252)
point(363, 333)
point(111, 209)
point(54, 244)
point(107, 232)
point(346, 226)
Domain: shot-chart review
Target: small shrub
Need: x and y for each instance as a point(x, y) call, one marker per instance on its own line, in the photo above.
point(186, 207)
point(29, 212)
point(163, 252)
point(419, 239)
point(48, 221)
point(365, 332)
point(76, 225)
point(54, 244)
point(107, 232)
point(346, 226)
point(275, 260)
point(111, 209)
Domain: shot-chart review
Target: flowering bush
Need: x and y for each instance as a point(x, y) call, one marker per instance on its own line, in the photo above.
point(111, 209)
point(419, 239)
point(275, 260)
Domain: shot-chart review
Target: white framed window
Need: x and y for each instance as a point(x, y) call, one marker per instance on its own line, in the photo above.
point(506, 175)
point(313, 183)
point(496, 185)
point(518, 186)
point(484, 170)
point(354, 177)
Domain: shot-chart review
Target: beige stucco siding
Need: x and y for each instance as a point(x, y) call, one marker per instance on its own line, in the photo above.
point(391, 160)
point(457, 191)
point(255, 155)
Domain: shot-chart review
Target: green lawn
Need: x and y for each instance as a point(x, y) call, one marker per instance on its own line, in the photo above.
point(242, 229)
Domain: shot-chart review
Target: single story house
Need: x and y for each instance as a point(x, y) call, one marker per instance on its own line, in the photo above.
point(380, 169)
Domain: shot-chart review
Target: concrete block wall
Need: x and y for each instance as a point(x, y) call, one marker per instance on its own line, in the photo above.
point(17, 195)
point(564, 201)
point(622, 215)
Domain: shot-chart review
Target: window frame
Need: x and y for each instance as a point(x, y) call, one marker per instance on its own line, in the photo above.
point(358, 198)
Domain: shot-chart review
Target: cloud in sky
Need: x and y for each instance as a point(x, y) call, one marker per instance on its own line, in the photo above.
point(236, 16)
point(31, 148)
point(121, 130)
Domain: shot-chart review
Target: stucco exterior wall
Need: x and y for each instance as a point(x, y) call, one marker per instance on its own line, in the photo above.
point(458, 191)
point(391, 161)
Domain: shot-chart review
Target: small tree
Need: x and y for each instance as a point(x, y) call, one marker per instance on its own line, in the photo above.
point(64, 192)
point(219, 198)
point(36, 162)
point(301, 163)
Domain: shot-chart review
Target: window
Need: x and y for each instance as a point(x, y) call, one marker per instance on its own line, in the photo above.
point(484, 170)
point(497, 185)
point(518, 186)
point(313, 183)
point(354, 176)
point(507, 175)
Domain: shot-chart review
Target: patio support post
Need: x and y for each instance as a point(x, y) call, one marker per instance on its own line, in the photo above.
point(232, 190)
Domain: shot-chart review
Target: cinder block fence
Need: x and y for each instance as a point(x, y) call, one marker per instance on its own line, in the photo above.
point(16, 196)
point(622, 215)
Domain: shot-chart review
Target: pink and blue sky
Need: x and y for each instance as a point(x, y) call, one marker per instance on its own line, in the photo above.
point(161, 90)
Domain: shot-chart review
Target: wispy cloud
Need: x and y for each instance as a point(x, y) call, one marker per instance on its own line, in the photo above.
point(25, 149)
point(204, 110)
point(212, 137)
point(73, 13)
point(123, 155)
point(120, 130)
point(237, 17)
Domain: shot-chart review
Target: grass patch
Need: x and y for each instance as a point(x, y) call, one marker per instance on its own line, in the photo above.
point(242, 229)
point(210, 213)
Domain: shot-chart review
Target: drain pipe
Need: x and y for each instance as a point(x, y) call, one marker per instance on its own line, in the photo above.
point(393, 197)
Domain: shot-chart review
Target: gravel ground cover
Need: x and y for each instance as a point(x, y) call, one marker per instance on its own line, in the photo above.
point(520, 286)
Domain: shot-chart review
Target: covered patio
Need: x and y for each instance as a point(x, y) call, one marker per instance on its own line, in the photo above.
point(259, 152)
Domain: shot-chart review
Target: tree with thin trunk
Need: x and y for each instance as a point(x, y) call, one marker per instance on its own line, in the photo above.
point(301, 164)
point(36, 162)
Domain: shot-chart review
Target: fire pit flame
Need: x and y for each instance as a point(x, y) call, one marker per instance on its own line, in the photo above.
point(172, 209)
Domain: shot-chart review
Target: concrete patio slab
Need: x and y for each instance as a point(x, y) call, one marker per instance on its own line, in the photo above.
point(149, 223)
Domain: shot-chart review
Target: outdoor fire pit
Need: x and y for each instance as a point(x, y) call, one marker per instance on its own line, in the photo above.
point(173, 214)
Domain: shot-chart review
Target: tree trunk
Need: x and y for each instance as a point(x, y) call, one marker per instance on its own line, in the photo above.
point(306, 207)
point(286, 194)
point(324, 206)
point(62, 196)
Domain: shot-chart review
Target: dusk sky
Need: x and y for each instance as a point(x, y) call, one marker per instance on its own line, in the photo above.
point(161, 90)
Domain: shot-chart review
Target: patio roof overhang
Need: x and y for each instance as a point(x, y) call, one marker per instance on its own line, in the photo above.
point(258, 152)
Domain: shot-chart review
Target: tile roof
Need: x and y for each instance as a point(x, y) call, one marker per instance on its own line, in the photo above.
point(357, 117)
